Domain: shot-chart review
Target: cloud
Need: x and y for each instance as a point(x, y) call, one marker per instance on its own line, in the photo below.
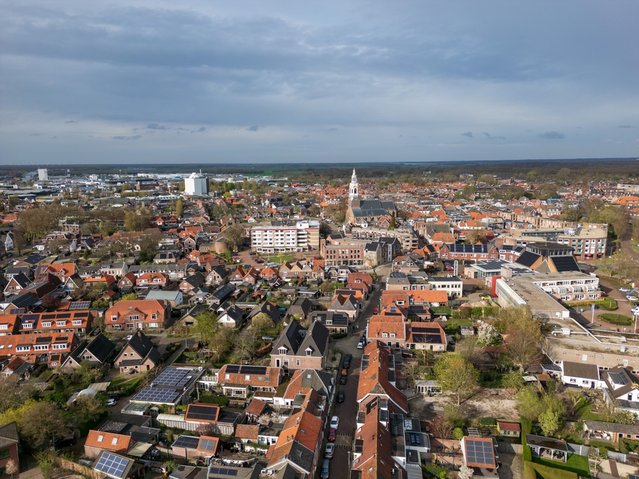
point(156, 126)
point(253, 128)
point(468, 134)
point(493, 137)
point(126, 138)
point(551, 135)
point(68, 122)
point(626, 126)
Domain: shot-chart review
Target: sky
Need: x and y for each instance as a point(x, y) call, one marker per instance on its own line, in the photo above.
point(152, 81)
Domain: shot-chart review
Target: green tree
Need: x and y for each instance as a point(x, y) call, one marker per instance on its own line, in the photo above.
point(206, 326)
point(41, 424)
point(530, 407)
point(234, 236)
point(550, 422)
point(457, 375)
point(179, 207)
point(523, 336)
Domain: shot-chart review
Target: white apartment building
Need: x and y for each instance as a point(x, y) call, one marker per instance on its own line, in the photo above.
point(196, 184)
point(283, 237)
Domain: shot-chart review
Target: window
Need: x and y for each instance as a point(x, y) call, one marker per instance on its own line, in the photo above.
point(100, 438)
point(114, 441)
point(227, 376)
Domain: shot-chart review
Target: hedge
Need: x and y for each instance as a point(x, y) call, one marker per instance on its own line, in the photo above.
point(618, 319)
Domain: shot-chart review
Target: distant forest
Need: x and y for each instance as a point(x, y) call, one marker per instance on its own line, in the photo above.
point(583, 169)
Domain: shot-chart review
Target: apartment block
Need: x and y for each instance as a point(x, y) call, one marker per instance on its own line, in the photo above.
point(283, 237)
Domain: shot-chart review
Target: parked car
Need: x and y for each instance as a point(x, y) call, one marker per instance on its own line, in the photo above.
point(332, 435)
point(111, 402)
point(343, 379)
point(632, 298)
point(340, 397)
point(330, 449)
point(347, 360)
point(326, 469)
point(361, 343)
point(375, 310)
point(335, 422)
point(344, 372)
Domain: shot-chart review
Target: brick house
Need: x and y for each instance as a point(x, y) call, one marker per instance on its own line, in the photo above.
point(138, 355)
point(297, 348)
point(9, 441)
point(137, 314)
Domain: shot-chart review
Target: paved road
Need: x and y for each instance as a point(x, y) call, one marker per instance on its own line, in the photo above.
point(347, 411)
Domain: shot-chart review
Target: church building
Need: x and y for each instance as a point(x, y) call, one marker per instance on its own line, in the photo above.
point(362, 212)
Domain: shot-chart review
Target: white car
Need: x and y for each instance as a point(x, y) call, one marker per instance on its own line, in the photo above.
point(334, 422)
point(624, 290)
point(632, 298)
point(330, 449)
point(111, 402)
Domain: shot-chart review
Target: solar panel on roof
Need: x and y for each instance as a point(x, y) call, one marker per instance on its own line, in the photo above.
point(216, 471)
point(173, 377)
point(232, 368)
point(565, 263)
point(479, 452)
point(619, 379)
point(63, 315)
point(156, 395)
point(208, 412)
point(206, 444)
point(82, 314)
point(112, 465)
point(29, 317)
point(188, 442)
point(253, 370)
point(79, 305)
point(48, 316)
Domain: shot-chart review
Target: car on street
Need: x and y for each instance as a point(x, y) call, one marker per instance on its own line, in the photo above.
point(111, 402)
point(632, 298)
point(343, 379)
point(375, 310)
point(330, 449)
point(361, 343)
point(332, 435)
point(326, 469)
point(344, 372)
point(341, 396)
point(335, 422)
point(625, 290)
point(347, 360)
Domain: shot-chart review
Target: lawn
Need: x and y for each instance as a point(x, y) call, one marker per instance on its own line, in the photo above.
point(575, 463)
point(279, 258)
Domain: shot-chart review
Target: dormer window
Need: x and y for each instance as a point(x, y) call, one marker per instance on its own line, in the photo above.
point(309, 351)
point(100, 438)
point(114, 441)
point(282, 350)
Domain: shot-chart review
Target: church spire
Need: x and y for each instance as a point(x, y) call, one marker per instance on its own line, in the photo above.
point(353, 190)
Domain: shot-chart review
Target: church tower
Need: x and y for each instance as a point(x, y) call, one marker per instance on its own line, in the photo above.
point(353, 190)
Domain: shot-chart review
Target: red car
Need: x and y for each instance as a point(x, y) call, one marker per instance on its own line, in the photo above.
point(375, 310)
point(332, 435)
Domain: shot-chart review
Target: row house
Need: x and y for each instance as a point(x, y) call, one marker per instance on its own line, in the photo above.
point(77, 321)
point(239, 381)
point(297, 270)
point(49, 348)
point(297, 450)
point(414, 299)
point(343, 252)
point(468, 252)
point(95, 353)
point(63, 271)
point(137, 314)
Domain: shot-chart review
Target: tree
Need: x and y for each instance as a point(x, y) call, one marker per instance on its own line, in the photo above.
point(41, 424)
point(179, 207)
point(336, 212)
point(234, 236)
point(523, 336)
point(530, 407)
point(513, 380)
point(487, 335)
point(465, 472)
point(137, 220)
point(550, 422)
point(457, 375)
point(206, 326)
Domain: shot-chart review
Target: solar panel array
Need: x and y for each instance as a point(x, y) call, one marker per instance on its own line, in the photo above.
point(174, 377)
point(79, 305)
point(216, 471)
point(156, 395)
point(207, 444)
point(201, 411)
point(188, 442)
point(112, 465)
point(236, 368)
point(619, 379)
point(480, 453)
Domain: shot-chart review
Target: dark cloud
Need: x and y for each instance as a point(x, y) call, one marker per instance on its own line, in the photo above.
point(551, 135)
point(468, 134)
point(253, 128)
point(126, 138)
point(493, 137)
point(156, 126)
